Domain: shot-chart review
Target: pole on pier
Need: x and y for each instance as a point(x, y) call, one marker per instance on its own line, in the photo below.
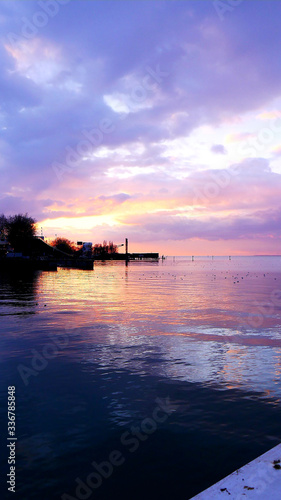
point(126, 249)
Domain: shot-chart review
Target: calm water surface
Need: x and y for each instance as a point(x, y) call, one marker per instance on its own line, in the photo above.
point(174, 366)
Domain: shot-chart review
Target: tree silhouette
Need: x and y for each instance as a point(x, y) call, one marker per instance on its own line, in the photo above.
point(20, 231)
point(105, 248)
point(64, 245)
point(3, 225)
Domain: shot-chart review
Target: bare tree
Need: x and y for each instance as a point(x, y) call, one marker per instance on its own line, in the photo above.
point(105, 248)
point(64, 245)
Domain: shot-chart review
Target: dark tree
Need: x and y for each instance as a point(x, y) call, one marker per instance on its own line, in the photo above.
point(105, 248)
point(3, 225)
point(20, 232)
point(64, 245)
point(3, 235)
point(112, 248)
point(97, 249)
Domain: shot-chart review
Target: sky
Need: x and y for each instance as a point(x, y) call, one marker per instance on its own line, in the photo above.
point(155, 120)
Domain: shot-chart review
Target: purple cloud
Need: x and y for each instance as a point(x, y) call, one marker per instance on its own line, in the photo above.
point(219, 149)
point(157, 88)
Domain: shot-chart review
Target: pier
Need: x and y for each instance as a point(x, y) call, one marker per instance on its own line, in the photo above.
point(44, 257)
point(259, 479)
point(44, 264)
point(143, 256)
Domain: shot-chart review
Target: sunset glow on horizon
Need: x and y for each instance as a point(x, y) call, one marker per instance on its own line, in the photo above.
point(155, 121)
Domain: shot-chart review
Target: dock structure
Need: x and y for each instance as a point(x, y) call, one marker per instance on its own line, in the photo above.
point(43, 257)
point(86, 264)
point(259, 480)
point(44, 264)
point(53, 257)
point(14, 264)
point(137, 256)
point(144, 256)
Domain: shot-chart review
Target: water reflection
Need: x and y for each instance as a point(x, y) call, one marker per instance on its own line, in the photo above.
point(187, 330)
point(189, 321)
point(88, 423)
point(18, 291)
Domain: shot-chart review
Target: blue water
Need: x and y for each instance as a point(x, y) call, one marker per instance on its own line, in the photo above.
point(164, 375)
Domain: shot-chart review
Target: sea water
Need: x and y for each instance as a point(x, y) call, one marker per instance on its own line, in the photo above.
point(151, 380)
